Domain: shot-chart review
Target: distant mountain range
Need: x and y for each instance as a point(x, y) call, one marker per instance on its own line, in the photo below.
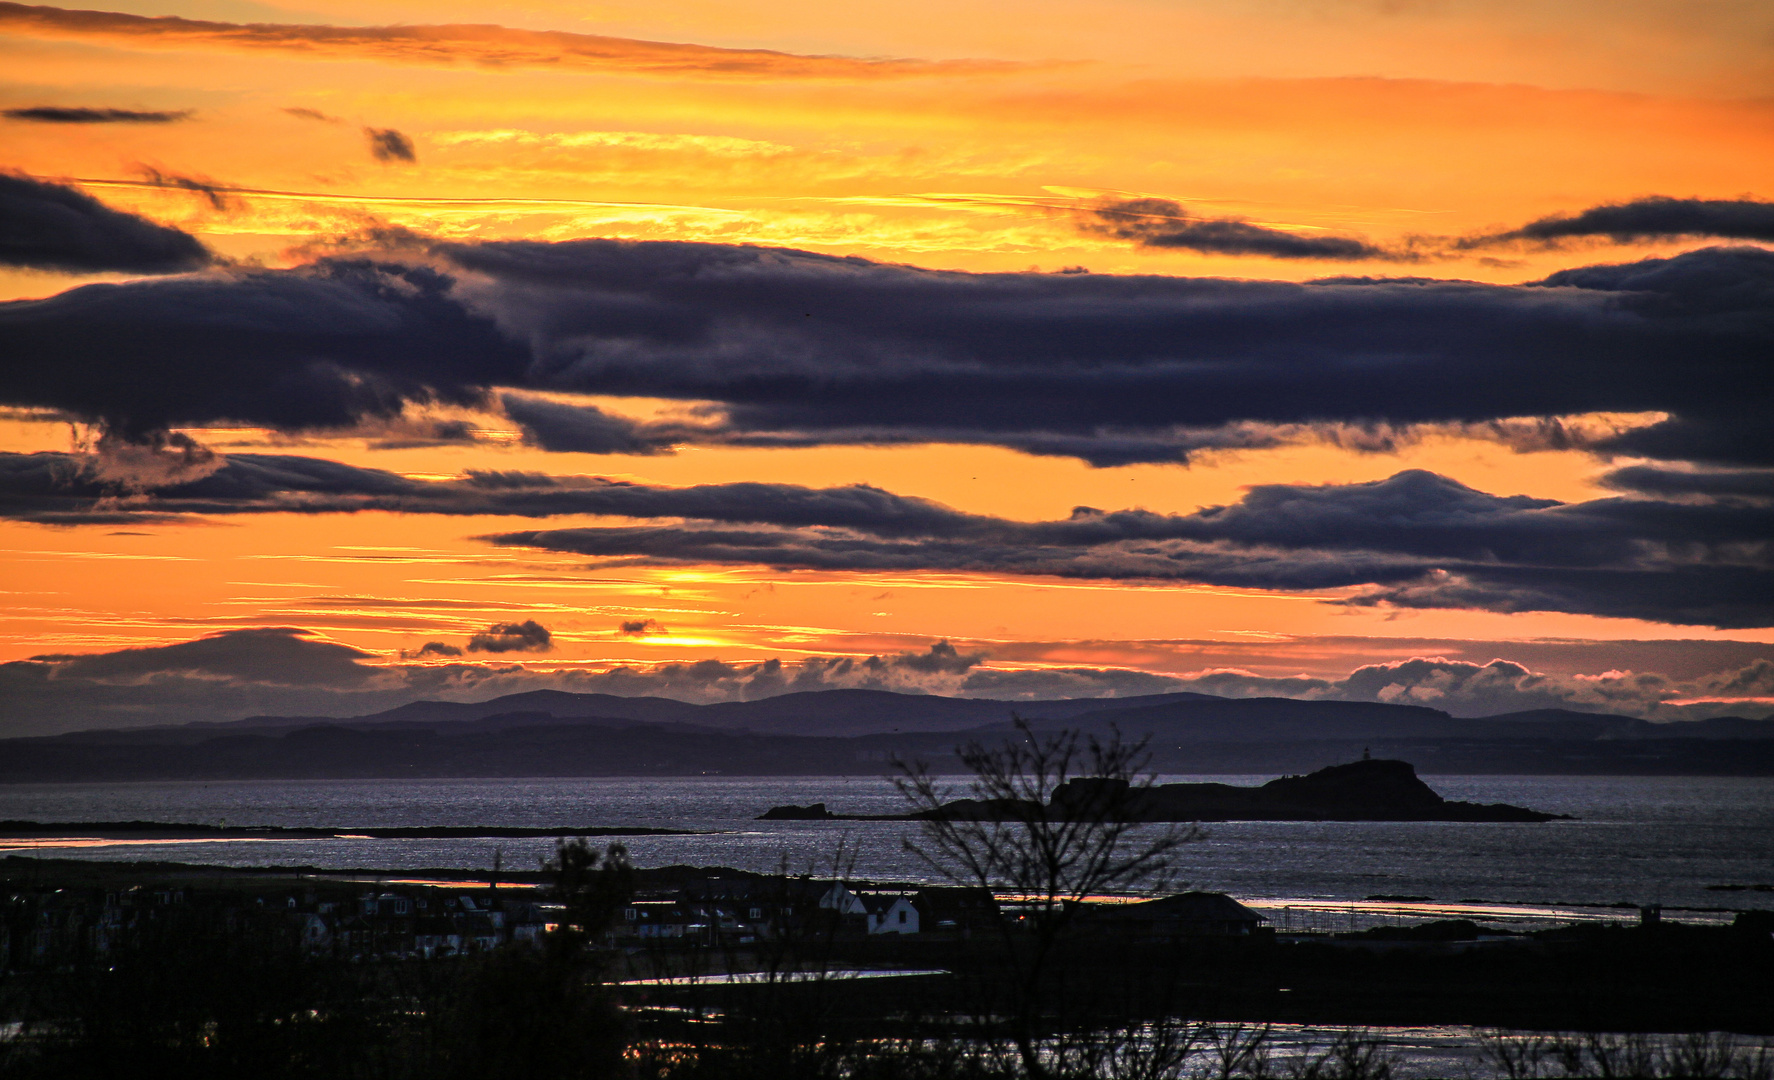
point(820, 712)
point(552, 733)
point(1188, 716)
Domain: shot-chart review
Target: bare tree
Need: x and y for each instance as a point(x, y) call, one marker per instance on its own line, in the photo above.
point(1052, 820)
point(590, 885)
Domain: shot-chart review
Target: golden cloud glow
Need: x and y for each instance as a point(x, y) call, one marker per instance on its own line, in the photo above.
point(947, 136)
point(493, 47)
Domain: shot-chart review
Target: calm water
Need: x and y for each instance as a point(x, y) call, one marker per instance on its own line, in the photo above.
point(1637, 840)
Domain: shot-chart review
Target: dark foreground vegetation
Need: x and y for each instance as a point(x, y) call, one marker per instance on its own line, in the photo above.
point(113, 969)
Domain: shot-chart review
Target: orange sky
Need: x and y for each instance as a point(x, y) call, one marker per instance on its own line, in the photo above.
point(963, 136)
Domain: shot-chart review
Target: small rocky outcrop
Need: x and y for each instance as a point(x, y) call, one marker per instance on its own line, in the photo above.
point(1366, 790)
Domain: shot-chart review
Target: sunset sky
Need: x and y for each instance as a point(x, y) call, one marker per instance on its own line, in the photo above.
point(1398, 350)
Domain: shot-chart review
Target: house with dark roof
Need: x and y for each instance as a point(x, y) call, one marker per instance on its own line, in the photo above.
point(889, 912)
point(957, 909)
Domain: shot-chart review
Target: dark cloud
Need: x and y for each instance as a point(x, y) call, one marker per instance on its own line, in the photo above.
point(1721, 596)
point(1669, 482)
point(438, 648)
point(791, 348)
point(586, 429)
point(59, 488)
point(1415, 539)
point(1471, 689)
point(122, 467)
point(55, 114)
point(1725, 433)
point(567, 427)
point(939, 669)
point(47, 226)
point(1039, 684)
point(640, 627)
point(330, 345)
point(69, 489)
point(804, 348)
point(1682, 659)
point(224, 676)
point(387, 144)
point(1161, 223)
point(1656, 217)
point(219, 196)
point(828, 549)
point(279, 655)
point(410, 433)
point(527, 636)
point(301, 113)
point(943, 658)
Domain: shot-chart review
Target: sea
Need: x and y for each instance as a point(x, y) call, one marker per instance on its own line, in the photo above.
point(1697, 846)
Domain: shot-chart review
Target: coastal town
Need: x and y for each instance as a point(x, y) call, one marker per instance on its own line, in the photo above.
point(46, 923)
point(97, 956)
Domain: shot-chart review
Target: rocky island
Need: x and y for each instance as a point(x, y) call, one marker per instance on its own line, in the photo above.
point(1366, 790)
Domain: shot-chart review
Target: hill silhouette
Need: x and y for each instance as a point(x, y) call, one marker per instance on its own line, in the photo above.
point(839, 732)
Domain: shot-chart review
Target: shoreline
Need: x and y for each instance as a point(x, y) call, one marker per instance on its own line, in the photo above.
point(1632, 974)
point(173, 832)
point(1330, 908)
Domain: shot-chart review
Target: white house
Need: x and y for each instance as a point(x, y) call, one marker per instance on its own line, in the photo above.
point(890, 913)
point(879, 912)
